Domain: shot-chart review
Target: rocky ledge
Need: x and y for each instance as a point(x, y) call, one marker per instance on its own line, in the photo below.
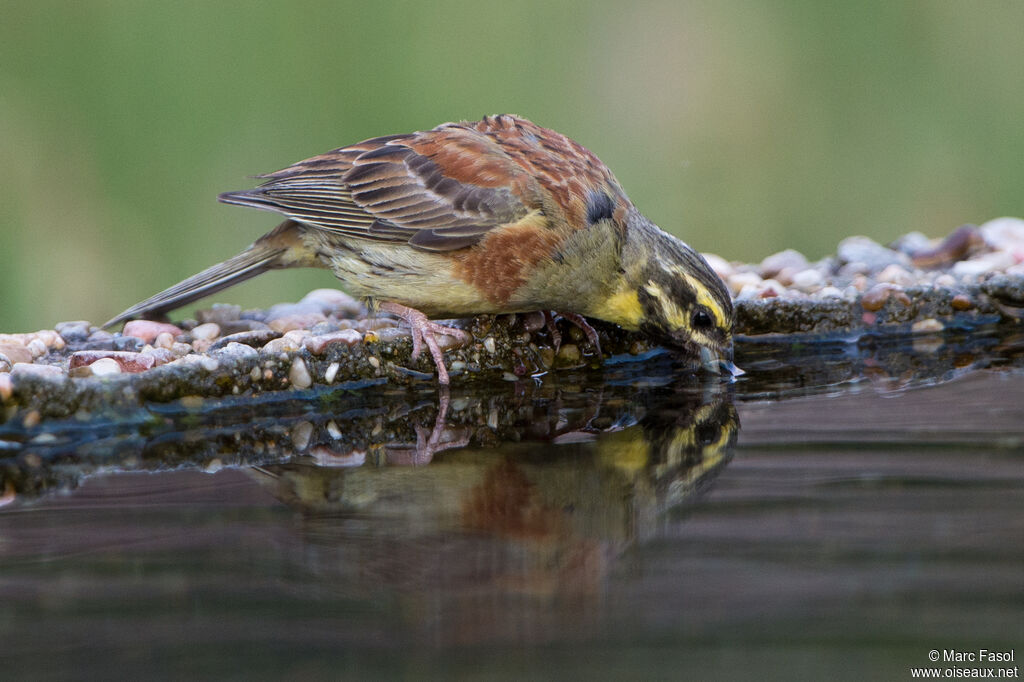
point(915, 285)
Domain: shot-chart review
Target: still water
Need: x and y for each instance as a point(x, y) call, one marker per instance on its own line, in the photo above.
point(838, 512)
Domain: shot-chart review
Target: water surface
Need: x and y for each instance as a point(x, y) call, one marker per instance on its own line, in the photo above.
point(837, 513)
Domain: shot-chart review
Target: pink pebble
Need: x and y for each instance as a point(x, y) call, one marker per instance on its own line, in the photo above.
point(128, 361)
point(147, 330)
point(318, 344)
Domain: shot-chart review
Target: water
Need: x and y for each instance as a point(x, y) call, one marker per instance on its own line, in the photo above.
point(840, 511)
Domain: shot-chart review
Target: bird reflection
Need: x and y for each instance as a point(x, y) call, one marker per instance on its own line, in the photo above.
point(535, 490)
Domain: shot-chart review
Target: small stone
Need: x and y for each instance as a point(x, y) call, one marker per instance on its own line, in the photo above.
point(6, 387)
point(31, 419)
point(201, 345)
point(5, 363)
point(75, 331)
point(131, 344)
point(126, 361)
point(876, 297)
point(334, 301)
point(148, 330)
point(829, 292)
point(51, 339)
point(961, 302)
point(164, 340)
point(738, 281)
point(15, 352)
point(219, 313)
point(945, 280)
point(299, 375)
point(301, 435)
point(895, 274)
point(808, 280)
point(390, 334)
point(912, 242)
point(105, 367)
point(989, 262)
point(722, 267)
point(332, 371)
point(333, 431)
point(255, 338)
point(374, 362)
point(490, 345)
point(318, 344)
point(928, 326)
point(569, 354)
point(236, 350)
point(24, 370)
point(871, 253)
point(207, 331)
point(295, 321)
point(100, 337)
point(281, 345)
point(775, 263)
point(1005, 234)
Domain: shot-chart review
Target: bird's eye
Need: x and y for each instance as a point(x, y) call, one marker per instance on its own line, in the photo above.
point(701, 319)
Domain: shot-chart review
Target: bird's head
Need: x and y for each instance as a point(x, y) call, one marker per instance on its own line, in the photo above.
point(670, 293)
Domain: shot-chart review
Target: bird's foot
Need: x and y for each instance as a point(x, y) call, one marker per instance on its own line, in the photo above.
point(551, 317)
point(423, 332)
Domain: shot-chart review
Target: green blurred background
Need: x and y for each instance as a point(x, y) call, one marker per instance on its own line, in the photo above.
point(742, 127)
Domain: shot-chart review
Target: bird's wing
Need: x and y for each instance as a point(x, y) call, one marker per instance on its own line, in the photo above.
point(438, 190)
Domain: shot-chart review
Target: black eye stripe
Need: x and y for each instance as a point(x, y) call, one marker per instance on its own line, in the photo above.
point(599, 207)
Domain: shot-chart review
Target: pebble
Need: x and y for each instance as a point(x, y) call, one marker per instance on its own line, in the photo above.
point(74, 331)
point(961, 302)
point(299, 375)
point(301, 435)
point(777, 262)
point(740, 280)
point(126, 361)
point(869, 252)
point(23, 370)
point(1005, 234)
point(280, 345)
point(164, 340)
point(206, 332)
point(254, 338)
point(808, 280)
point(895, 274)
point(15, 352)
point(235, 350)
point(295, 321)
point(722, 267)
point(318, 344)
point(127, 343)
point(989, 262)
point(874, 299)
point(148, 330)
point(929, 326)
point(105, 367)
point(829, 292)
point(219, 314)
point(490, 345)
point(6, 387)
point(332, 371)
point(334, 301)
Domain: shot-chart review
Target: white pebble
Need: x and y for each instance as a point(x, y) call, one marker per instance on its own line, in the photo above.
point(740, 280)
point(332, 371)
point(105, 367)
point(36, 347)
point(299, 374)
point(929, 326)
point(164, 340)
point(945, 280)
point(829, 292)
point(490, 345)
point(894, 274)
point(301, 434)
point(333, 430)
point(1003, 233)
point(207, 332)
point(990, 262)
point(807, 279)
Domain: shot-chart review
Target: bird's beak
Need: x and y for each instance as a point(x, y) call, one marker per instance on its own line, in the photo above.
point(719, 361)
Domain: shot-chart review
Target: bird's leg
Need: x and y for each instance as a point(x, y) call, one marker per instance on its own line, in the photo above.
point(423, 331)
point(551, 322)
point(582, 323)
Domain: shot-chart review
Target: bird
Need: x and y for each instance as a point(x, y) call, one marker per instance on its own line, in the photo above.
point(492, 216)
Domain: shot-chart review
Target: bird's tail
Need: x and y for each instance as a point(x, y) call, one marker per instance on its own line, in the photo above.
point(280, 248)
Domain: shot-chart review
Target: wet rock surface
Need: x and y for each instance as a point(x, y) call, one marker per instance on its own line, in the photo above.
point(971, 278)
